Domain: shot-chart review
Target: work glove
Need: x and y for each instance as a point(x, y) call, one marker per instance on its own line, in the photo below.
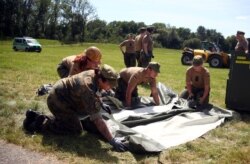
point(118, 145)
point(106, 107)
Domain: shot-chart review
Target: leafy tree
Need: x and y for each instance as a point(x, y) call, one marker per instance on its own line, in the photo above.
point(40, 19)
point(230, 43)
point(97, 31)
point(10, 17)
point(52, 27)
point(201, 33)
point(192, 43)
point(184, 33)
point(159, 26)
point(76, 14)
point(27, 14)
point(162, 38)
point(174, 39)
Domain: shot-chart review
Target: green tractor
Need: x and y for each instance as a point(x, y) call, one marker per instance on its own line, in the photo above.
point(211, 54)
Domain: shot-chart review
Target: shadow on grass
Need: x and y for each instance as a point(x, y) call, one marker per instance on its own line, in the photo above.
point(241, 115)
point(85, 145)
point(245, 116)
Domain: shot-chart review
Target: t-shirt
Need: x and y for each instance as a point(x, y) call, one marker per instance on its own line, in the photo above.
point(198, 79)
point(68, 61)
point(135, 76)
point(73, 67)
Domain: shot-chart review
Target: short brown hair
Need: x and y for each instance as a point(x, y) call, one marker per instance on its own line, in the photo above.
point(197, 60)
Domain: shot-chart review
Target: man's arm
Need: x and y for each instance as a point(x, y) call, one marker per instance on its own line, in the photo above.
point(155, 95)
point(189, 89)
point(205, 94)
point(129, 91)
point(121, 47)
point(145, 44)
point(103, 129)
point(189, 84)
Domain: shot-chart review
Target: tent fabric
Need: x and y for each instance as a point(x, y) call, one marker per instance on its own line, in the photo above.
point(157, 128)
point(174, 127)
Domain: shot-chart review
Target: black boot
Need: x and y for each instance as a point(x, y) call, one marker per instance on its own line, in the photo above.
point(29, 121)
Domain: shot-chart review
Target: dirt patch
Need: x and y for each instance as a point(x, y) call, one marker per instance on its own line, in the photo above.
point(12, 154)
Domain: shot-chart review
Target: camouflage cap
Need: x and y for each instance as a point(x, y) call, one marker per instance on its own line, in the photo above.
point(150, 29)
point(197, 60)
point(110, 74)
point(240, 33)
point(154, 66)
point(142, 29)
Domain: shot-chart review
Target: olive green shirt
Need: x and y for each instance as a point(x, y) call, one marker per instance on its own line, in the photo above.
point(68, 61)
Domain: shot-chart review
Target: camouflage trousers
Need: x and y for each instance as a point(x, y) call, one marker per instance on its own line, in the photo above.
point(198, 93)
point(121, 90)
point(65, 121)
point(137, 56)
point(129, 59)
point(145, 59)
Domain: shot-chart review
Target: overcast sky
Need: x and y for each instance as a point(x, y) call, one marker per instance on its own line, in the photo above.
point(225, 16)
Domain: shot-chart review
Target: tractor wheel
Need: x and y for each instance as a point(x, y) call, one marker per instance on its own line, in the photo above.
point(187, 58)
point(215, 62)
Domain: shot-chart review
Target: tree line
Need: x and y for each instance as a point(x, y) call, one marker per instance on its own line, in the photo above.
point(73, 21)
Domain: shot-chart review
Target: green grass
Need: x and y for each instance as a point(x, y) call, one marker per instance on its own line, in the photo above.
point(22, 73)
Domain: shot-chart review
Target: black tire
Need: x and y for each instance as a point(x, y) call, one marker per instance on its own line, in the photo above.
point(187, 58)
point(27, 49)
point(215, 61)
point(15, 49)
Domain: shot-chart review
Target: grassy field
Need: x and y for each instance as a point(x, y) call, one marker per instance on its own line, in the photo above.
point(22, 73)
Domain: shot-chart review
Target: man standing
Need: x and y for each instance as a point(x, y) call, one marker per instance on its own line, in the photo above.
point(242, 44)
point(138, 44)
point(197, 84)
point(133, 76)
point(129, 52)
point(147, 46)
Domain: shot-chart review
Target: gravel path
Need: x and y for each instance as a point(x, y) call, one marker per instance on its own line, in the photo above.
point(13, 154)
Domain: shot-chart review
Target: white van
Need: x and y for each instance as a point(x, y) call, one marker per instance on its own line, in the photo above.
point(26, 44)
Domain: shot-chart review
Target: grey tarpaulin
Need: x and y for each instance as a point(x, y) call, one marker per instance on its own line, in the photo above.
point(156, 128)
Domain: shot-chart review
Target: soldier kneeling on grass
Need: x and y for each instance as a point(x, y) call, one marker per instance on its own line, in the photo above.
point(197, 84)
point(131, 77)
point(77, 96)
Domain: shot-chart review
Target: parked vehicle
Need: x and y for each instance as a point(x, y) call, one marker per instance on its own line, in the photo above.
point(211, 54)
point(26, 44)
